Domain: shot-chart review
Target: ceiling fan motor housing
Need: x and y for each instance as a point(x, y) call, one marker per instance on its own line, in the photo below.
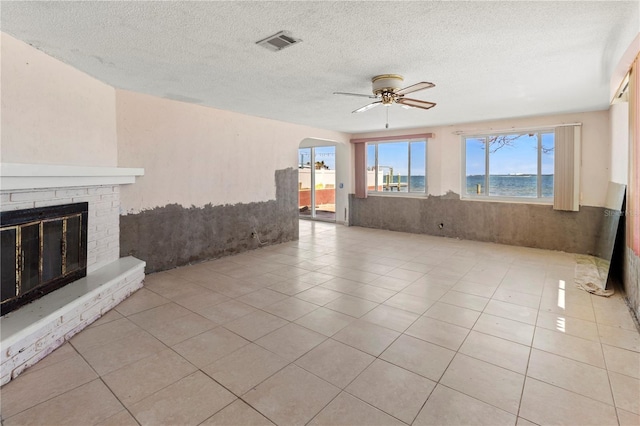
point(386, 83)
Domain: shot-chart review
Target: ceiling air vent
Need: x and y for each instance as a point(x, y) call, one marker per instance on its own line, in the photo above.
point(278, 41)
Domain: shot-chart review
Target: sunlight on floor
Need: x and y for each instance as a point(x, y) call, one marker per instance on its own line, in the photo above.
point(561, 294)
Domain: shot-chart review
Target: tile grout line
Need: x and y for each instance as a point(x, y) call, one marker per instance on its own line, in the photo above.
point(613, 398)
point(526, 371)
point(106, 385)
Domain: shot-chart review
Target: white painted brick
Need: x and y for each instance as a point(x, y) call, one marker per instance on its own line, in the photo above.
point(107, 219)
point(5, 197)
point(97, 236)
point(103, 246)
point(103, 205)
point(139, 277)
point(32, 196)
point(103, 227)
point(8, 363)
point(116, 189)
point(100, 190)
point(17, 206)
point(25, 349)
point(71, 192)
point(108, 227)
point(110, 238)
point(95, 311)
point(87, 199)
point(108, 252)
point(95, 266)
point(92, 312)
point(54, 202)
point(110, 197)
point(6, 370)
point(47, 341)
point(101, 251)
point(107, 212)
point(126, 291)
point(108, 256)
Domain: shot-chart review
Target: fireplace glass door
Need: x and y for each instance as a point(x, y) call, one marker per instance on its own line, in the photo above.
point(42, 249)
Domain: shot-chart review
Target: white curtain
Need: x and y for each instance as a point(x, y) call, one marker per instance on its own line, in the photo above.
point(566, 179)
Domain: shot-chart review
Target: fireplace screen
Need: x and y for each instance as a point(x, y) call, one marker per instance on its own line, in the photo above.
point(42, 250)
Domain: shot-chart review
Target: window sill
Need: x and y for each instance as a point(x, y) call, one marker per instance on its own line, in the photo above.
point(398, 194)
point(511, 200)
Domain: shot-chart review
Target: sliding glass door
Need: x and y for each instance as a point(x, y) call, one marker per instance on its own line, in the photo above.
point(317, 183)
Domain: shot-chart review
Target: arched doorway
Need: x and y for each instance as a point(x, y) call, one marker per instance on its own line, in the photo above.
point(317, 183)
point(327, 163)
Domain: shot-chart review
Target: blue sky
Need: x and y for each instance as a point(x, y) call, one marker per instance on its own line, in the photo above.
point(323, 153)
point(396, 155)
point(521, 157)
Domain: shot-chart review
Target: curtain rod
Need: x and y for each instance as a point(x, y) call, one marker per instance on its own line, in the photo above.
point(513, 129)
point(418, 136)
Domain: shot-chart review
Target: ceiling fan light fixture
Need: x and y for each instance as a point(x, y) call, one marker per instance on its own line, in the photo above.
point(386, 83)
point(387, 88)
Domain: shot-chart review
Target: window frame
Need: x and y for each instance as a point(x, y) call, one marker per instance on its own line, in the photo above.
point(539, 199)
point(376, 166)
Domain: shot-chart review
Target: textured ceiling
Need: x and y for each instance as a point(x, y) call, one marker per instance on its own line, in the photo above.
point(488, 60)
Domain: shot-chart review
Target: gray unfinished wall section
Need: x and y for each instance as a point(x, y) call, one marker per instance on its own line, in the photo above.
point(528, 225)
point(171, 236)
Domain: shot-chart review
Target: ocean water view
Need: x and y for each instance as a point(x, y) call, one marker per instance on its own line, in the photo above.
point(417, 183)
point(511, 185)
point(499, 185)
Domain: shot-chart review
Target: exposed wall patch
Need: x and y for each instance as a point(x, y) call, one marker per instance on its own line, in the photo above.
point(519, 224)
point(171, 236)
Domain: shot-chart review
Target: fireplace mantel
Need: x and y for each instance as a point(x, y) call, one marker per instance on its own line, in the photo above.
point(34, 330)
point(19, 176)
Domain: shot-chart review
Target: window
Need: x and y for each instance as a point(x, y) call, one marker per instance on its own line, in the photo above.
point(397, 166)
point(516, 165)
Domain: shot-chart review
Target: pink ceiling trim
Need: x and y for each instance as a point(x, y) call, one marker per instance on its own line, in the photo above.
point(395, 138)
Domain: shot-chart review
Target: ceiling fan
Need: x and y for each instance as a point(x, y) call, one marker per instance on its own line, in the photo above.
point(386, 88)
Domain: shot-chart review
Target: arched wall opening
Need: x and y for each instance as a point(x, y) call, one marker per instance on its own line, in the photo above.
point(335, 169)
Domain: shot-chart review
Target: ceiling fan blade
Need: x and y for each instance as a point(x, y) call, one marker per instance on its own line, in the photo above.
point(416, 103)
point(355, 94)
point(367, 107)
point(415, 87)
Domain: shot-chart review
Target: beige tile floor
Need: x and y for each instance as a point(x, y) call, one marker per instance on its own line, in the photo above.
point(348, 326)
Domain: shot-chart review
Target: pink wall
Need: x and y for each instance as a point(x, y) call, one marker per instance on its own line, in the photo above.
point(323, 196)
point(53, 113)
point(194, 155)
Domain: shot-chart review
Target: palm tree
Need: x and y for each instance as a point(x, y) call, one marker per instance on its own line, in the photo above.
point(320, 165)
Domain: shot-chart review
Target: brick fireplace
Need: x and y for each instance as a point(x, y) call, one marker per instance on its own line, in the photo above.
point(34, 330)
